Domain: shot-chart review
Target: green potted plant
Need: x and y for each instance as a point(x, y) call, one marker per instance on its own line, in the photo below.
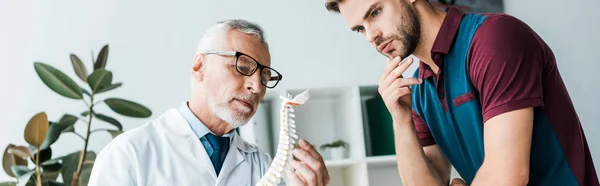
point(15, 160)
point(337, 149)
point(41, 133)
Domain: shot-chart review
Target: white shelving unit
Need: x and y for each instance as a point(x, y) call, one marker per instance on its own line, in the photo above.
point(330, 114)
point(381, 160)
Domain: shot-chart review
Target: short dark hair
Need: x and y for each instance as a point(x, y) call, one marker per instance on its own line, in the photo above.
point(333, 5)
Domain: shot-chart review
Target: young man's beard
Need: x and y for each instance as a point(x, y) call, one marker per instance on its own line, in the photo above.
point(409, 34)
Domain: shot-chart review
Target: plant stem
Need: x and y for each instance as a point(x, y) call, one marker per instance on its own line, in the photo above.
point(37, 167)
point(75, 181)
point(80, 136)
point(82, 119)
point(97, 102)
point(96, 130)
point(86, 104)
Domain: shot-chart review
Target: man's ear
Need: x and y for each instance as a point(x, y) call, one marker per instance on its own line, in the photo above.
point(198, 67)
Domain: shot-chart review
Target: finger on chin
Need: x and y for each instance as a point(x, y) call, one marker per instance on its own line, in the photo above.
point(406, 60)
point(392, 64)
point(395, 60)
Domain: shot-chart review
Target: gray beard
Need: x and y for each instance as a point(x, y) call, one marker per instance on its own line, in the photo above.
point(232, 118)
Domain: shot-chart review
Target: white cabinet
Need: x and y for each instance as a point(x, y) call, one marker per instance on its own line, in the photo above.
point(338, 113)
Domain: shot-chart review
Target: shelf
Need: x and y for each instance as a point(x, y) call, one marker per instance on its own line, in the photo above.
point(340, 163)
point(376, 123)
point(381, 160)
point(330, 115)
point(384, 176)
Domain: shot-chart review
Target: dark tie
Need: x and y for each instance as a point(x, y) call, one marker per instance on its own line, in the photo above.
point(216, 149)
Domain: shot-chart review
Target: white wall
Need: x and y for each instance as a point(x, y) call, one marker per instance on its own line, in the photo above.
point(149, 36)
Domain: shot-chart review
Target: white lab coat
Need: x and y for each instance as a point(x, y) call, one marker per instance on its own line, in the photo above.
point(166, 152)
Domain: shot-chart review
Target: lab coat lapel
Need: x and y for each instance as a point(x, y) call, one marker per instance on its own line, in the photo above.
point(234, 157)
point(177, 124)
point(198, 151)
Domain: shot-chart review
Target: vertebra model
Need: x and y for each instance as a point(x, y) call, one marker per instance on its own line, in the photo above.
point(287, 139)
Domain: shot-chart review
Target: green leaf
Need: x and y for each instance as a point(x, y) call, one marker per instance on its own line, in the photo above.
point(8, 184)
point(108, 88)
point(67, 120)
point(86, 92)
point(20, 161)
point(69, 129)
point(102, 57)
point(93, 58)
point(50, 175)
point(52, 162)
point(86, 171)
point(22, 152)
point(53, 183)
point(58, 81)
point(36, 129)
point(109, 120)
point(99, 79)
point(8, 160)
point(51, 166)
point(70, 163)
point(55, 130)
point(25, 179)
point(45, 155)
point(20, 170)
point(79, 67)
point(128, 108)
point(115, 133)
point(85, 113)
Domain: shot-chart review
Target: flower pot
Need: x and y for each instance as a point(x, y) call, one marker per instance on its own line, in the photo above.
point(337, 153)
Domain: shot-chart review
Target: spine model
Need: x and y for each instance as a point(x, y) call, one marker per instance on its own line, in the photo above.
point(287, 139)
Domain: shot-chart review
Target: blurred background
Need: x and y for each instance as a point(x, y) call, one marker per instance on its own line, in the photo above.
point(152, 44)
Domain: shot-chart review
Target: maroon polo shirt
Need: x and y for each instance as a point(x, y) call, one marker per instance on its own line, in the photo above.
point(511, 68)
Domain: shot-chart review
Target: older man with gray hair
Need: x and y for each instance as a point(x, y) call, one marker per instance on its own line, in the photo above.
point(196, 144)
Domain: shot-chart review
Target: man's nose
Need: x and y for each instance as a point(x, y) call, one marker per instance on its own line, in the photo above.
point(372, 34)
point(253, 83)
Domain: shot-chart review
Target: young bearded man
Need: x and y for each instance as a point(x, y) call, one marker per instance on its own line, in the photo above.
point(487, 98)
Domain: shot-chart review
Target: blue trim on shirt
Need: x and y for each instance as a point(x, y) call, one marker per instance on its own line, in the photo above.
point(197, 126)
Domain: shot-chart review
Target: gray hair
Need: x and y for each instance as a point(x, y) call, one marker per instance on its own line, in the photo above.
point(214, 34)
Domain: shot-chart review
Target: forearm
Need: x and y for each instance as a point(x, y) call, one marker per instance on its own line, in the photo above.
point(491, 173)
point(507, 143)
point(413, 165)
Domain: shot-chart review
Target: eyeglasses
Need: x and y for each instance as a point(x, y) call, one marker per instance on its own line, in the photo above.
point(247, 65)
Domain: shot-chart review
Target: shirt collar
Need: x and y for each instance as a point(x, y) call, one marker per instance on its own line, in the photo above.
point(197, 126)
point(444, 40)
point(447, 33)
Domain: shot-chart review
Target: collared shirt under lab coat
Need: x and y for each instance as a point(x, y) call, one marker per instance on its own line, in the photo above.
point(166, 151)
point(198, 127)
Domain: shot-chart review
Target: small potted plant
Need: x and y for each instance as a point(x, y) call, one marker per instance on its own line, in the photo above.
point(337, 149)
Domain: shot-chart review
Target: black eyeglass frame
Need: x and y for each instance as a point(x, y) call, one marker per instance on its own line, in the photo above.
point(258, 66)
